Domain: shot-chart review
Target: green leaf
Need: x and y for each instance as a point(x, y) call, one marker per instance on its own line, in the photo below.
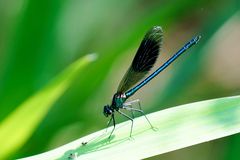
point(177, 128)
point(20, 124)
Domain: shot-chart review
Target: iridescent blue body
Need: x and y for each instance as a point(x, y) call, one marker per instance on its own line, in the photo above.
point(165, 65)
point(142, 63)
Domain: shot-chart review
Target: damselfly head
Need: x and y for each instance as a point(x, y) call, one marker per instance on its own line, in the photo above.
point(107, 110)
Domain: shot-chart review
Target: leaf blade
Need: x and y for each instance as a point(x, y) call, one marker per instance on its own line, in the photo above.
point(178, 127)
point(32, 111)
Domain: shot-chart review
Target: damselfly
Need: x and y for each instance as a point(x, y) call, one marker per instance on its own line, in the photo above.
point(142, 63)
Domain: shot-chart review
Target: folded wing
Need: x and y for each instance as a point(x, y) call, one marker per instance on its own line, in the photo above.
point(144, 59)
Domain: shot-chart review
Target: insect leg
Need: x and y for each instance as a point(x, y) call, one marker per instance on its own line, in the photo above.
point(140, 111)
point(114, 124)
point(127, 118)
point(130, 105)
point(109, 122)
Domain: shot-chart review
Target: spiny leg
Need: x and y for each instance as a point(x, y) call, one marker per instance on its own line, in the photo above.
point(127, 104)
point(127, 118)
point(130, 105)
point(137, 110)
point(113, 119)
point(139, 104)
point(132, 112)
point(109, 122)
point(140, 111)
point(133, 102)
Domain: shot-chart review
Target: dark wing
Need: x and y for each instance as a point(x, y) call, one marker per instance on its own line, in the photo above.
point(144, 59)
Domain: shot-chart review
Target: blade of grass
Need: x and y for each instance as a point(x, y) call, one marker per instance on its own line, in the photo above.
point(177, 128)
point(20, 124)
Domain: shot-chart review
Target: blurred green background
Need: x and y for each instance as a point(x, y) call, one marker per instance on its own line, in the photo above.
point(39, 39)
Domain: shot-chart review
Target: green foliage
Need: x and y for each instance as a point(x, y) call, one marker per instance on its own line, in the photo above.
point(19, 125)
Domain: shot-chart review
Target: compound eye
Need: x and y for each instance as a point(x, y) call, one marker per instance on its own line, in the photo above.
point(107, 111)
